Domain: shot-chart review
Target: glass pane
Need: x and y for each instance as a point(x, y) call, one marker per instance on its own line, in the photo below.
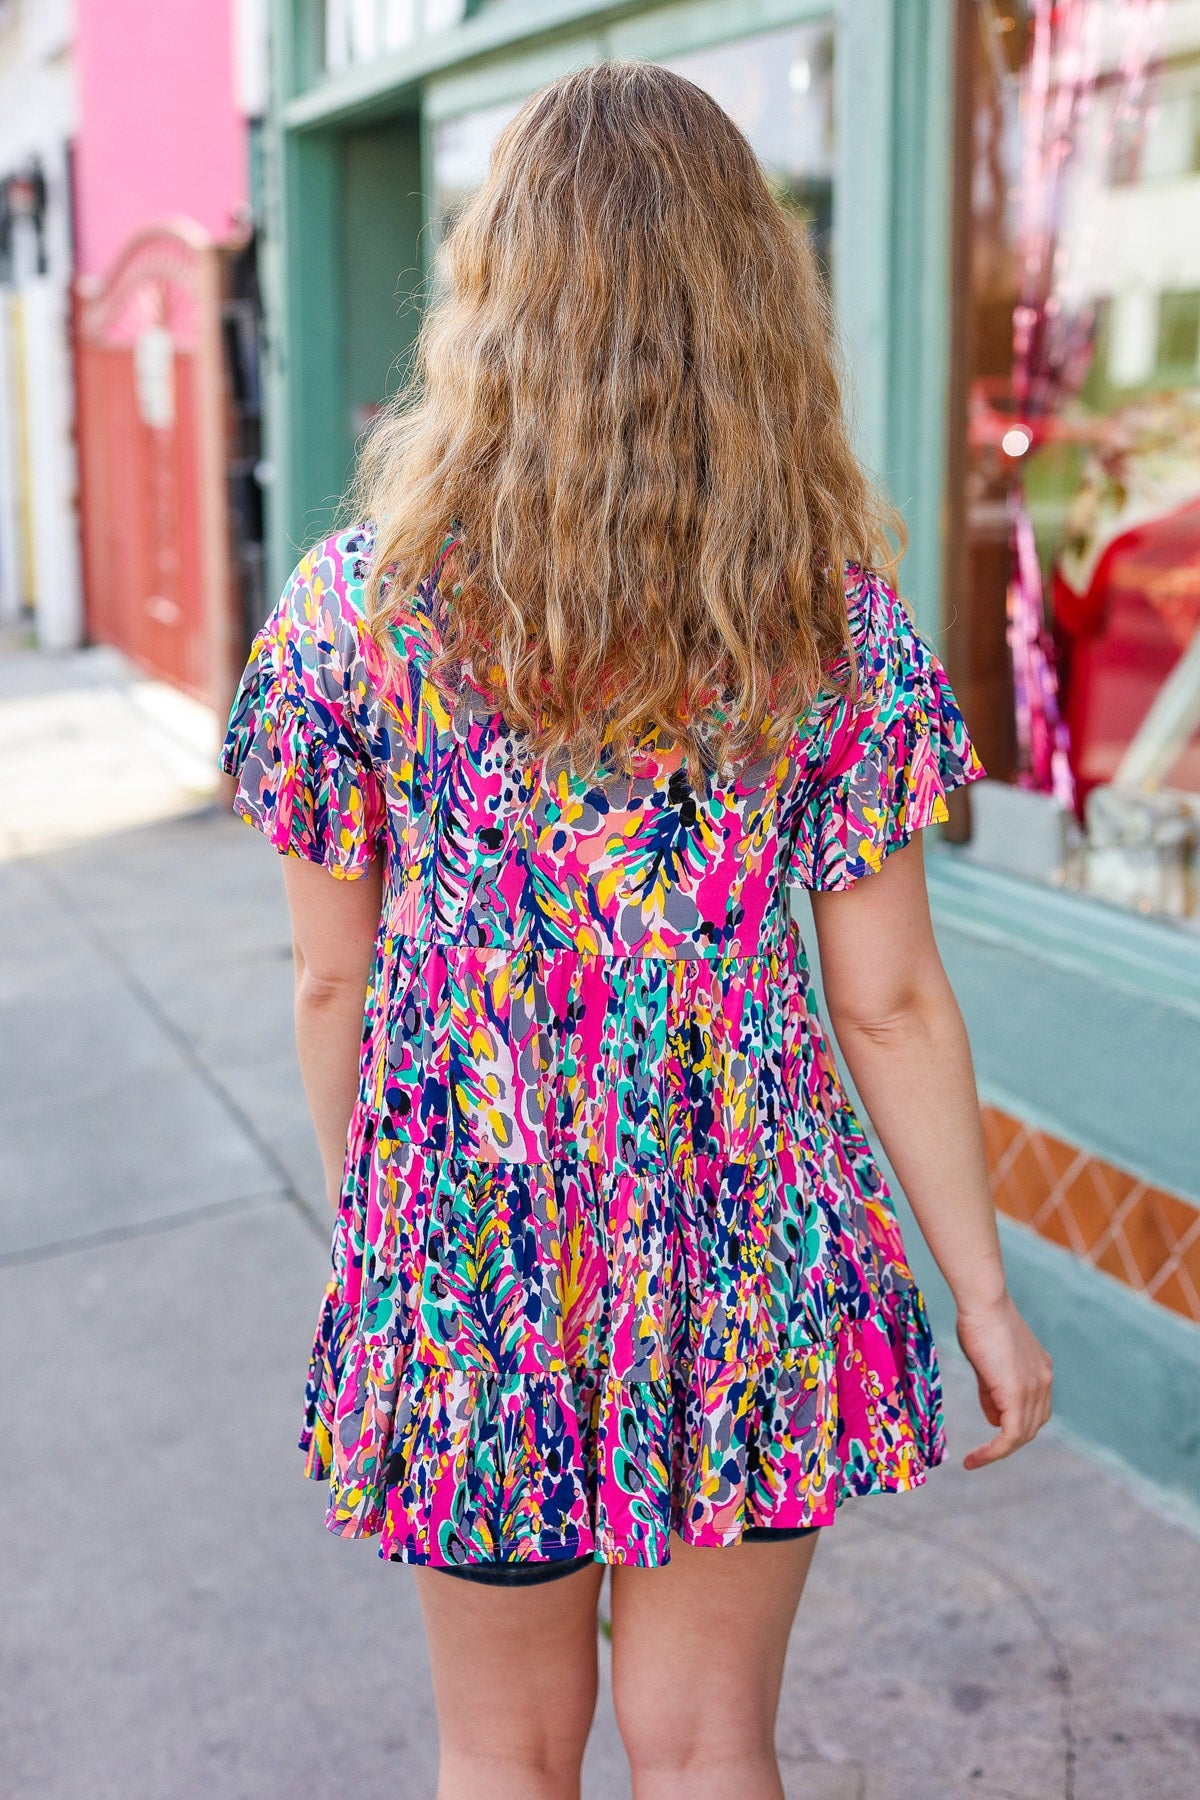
point(778, 87)
point(440, 15)
point(358, 31)
point(1078, 649)
point(461, 148)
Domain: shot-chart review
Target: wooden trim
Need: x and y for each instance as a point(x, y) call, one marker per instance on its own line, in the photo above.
point(955, 565)
point(224, 636)
point(1151, 958)
point(379, 86)
point(637, 29)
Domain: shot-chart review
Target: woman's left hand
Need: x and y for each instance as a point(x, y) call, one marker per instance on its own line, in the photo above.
point(1015, 1378)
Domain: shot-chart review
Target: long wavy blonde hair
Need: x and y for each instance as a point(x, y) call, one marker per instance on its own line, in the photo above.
point(627, 402)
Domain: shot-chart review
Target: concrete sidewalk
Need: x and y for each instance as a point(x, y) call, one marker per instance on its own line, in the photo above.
point(174, 1620)
point(89, 746)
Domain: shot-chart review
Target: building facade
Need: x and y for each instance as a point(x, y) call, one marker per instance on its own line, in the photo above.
point(39, 555)
point(164, 111)
point(118, 123)
point(1006, 198)
point(165, 331)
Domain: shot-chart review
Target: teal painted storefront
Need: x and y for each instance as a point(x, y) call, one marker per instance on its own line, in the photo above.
point(1085, 1020)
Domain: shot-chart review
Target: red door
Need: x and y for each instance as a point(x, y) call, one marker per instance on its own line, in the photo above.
point(150, 383)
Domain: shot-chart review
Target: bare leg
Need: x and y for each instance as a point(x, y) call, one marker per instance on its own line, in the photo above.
point(698, 1655)
point(514, 1678)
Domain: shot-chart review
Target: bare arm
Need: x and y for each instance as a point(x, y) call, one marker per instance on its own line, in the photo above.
point(333, 938)
point(905, 1045)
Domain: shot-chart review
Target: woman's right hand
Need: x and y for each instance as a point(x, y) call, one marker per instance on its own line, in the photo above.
point(1015, 1377)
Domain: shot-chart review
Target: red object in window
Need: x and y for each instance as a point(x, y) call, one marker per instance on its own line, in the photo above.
point(1125, 634)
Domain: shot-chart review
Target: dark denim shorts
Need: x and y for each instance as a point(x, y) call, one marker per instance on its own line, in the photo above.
point(533, 1574)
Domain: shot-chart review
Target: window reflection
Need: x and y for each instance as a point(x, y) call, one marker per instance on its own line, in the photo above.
point(1078, 616)
point(777, 86)
point(358, 31)
point(461, 148)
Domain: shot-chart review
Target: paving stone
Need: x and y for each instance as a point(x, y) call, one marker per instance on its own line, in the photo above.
point(181, 1624)
point(104, 1120)
point(906, 1640)
point(822, 1780)
point(155, 897)
point(89, 746)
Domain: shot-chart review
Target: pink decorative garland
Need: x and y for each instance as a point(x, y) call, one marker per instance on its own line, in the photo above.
point(1053, 345)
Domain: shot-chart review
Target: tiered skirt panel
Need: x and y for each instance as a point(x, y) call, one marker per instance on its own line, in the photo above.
point(613, 1260)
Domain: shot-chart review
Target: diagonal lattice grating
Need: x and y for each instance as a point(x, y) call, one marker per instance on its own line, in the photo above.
point(1143, 1235)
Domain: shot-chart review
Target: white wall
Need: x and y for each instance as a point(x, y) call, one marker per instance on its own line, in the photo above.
point(38, 113)
point(53, 481)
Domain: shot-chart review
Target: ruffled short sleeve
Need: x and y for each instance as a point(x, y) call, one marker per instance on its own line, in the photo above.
point(301, 731)
point(875, 766)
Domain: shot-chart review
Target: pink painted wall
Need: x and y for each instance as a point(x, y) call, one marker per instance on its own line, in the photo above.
point(158, 130)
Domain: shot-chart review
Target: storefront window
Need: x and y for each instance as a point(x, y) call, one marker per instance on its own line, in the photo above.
point(1073, 604)
point(358, 31)
point(461, 148)
point(778, 86)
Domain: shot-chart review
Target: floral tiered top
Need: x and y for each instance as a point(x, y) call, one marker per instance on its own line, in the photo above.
point(612, 1257)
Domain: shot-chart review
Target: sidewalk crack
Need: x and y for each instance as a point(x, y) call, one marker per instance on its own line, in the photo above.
point(138, 1228)
point(186, 1046)
point(1060, 1673)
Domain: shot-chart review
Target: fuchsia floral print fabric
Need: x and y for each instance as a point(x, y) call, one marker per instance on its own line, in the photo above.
point(612, 1256)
